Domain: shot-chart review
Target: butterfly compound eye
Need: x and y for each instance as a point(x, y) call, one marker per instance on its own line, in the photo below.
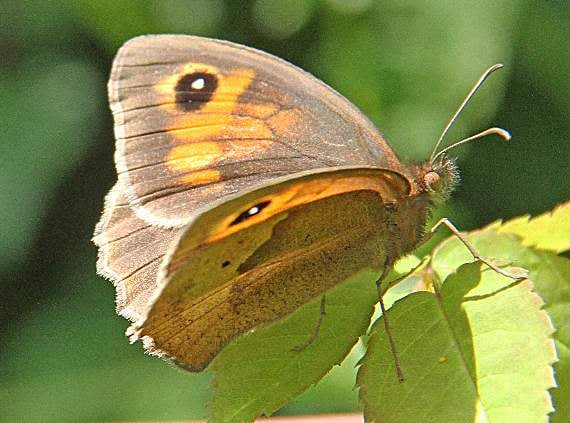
point(194, 90)
point(431, 179)
point(252, 211)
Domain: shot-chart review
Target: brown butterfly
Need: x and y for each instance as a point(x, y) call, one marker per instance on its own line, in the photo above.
point(246, 188)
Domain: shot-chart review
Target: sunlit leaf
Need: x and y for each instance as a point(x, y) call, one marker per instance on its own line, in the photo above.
point(549, 272)
point(549, 231)
point(552, 276)
point(461, 355)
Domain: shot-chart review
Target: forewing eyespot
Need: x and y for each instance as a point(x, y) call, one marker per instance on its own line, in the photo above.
point(194, 90)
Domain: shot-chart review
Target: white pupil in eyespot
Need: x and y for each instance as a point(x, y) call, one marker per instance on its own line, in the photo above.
point(198, 84)
point(253, 210)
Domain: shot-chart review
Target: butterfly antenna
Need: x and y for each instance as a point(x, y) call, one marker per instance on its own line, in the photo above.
point(489, 131)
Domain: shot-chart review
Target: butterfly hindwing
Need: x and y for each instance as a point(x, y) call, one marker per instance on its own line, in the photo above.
point(227, 273)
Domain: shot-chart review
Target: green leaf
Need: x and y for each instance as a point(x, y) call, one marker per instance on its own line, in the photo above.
point(561, 396)
point(421, 338)
point(337, 387)
point(259, 373)
point(461, 354)
point(549, 272)
point(552, 276)
point(549, 231)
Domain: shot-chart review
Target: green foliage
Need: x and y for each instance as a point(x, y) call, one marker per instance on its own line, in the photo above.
point(406, 64)
point(546, 232)
point(551, 273)
point(482, 349)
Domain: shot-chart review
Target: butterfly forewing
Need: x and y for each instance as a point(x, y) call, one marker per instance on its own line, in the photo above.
point(198, 119)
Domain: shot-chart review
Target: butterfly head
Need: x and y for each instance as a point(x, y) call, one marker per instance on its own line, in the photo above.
point(437, 179)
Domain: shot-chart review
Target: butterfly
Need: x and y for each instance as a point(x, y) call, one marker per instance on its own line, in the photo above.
point(246, 188)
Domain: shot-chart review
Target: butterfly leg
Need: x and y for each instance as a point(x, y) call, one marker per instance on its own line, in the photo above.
point(316, 329)
point(447, 223)
point(400, 278)
point(399, 372)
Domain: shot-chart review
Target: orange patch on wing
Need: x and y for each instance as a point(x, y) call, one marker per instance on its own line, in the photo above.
point(204, 127)
point(257, 110)
point(222, 117)
point(201, 177)
point(294, 195)
point(283, 121)
point(192, 156)
point(200, 155)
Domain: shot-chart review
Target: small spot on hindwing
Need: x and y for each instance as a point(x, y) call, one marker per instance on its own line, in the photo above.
point(252, 211)
point(194, 90)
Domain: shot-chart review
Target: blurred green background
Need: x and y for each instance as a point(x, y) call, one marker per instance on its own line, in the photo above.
point(407, 64)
